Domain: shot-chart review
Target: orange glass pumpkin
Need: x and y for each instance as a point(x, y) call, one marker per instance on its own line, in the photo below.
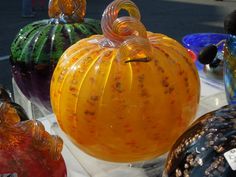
point(128, 94)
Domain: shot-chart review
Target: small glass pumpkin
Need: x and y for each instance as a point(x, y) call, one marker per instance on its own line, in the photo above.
point(26, 149)
point(38, 46)
point(5, 97)
point(202, 150)
point(128, 94)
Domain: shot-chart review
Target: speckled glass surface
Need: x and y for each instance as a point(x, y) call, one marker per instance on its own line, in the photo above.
point(199, 152)
point(112, 93)
point(26, 149)
point(230, 69)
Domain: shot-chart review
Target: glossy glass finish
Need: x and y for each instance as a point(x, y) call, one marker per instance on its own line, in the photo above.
point(200, 150)
point(26, 149)
point(230, 69)
point(39, 45)
point(5, 97)
point(128, 94)
point(197, 41)
point(192, 55)
point(67, 10)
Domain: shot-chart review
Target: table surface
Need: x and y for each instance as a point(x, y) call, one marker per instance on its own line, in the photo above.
point(74, 167)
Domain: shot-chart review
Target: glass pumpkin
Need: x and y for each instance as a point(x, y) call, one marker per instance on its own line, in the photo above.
point(128, 94)
point(26, 149)
point(38, 46)
point(203, 149)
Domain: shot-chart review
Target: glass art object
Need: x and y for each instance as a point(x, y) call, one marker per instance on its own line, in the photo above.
point(230, 58)
point(5, 97)
point(26, 149)
point(207, 148)
point(125, 95)
point(38, 46)
point(192, 55)
point(230, 69)
point(197, 41)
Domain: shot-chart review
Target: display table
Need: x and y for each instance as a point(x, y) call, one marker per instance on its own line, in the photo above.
point(80, 164)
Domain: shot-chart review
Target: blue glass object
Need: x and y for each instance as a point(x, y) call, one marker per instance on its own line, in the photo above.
point(197, 41)
point(230, 69)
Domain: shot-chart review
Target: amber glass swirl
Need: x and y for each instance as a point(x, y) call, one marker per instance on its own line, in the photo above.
point(73, 9)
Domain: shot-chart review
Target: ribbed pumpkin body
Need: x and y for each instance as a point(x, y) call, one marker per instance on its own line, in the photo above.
point(124, 111)
point(203, 149)
point(36, 50)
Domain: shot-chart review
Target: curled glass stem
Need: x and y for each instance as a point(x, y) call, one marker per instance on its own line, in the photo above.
point(66, 6)
point(136, 49)
point(67, 9)
point(119, 29)
point(124, 27)
point(79, 9)
point(53, 9)
point(42, 139)
point(127, 32)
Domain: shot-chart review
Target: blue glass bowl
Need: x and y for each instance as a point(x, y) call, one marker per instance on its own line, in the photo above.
point(197, 41)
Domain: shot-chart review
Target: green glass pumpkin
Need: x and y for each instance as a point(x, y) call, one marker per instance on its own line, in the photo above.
point(38, 46)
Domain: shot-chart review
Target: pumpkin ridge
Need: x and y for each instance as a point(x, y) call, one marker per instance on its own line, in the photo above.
point(93, 29)
point(57, 43)
point(184, 57)
point(52, 37)
point(85, 73)
point(62, 63)
point(27, 30)
point(77, 29)
point(173, 72)
point(62, 85)
point(39, 45)
point(87, 27)
point(98, 58)
point(68, 29)
point(21, 38)
point(93, 24)
point(164, 49)
point(70, 76)
point(74, 54)
point(107, 76)
point(26, 47)
point(83, 30)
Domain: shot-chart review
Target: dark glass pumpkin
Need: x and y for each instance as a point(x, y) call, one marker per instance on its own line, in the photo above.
point(6, 98)
point(207, 148)
point(26, 149)
point(38, 46)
